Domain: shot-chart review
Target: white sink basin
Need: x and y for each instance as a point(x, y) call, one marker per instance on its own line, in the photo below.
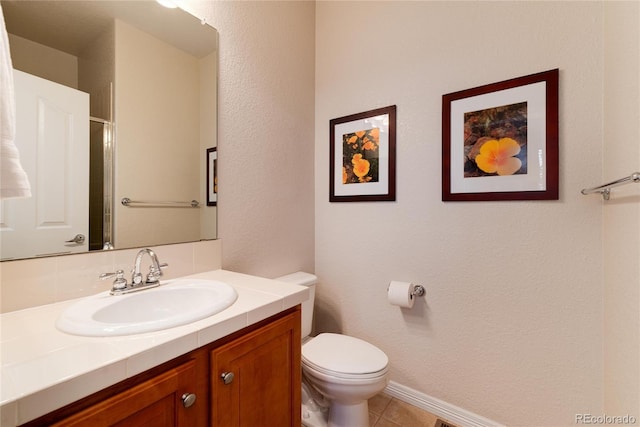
point(174, 303)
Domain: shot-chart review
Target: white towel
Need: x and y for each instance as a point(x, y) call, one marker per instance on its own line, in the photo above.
point(13, 179)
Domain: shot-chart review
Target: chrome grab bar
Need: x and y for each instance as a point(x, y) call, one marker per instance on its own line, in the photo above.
point(133, 203)
point(605, 189)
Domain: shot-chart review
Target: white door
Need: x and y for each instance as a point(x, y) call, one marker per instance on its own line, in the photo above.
point(52, 136)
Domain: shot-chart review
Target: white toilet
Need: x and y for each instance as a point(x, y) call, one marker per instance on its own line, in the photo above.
point(339, 373)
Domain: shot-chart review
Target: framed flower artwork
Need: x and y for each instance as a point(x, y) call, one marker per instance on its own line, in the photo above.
point(500, 141)
point(363, 156)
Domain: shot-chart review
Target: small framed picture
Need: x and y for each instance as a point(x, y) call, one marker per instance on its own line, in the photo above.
point(212, 176)
point(500, 141)
point(362, 163)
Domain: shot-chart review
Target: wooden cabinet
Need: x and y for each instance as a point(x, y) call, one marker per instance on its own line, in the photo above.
point(265, 390)
point(255, 379)
point(161, 401)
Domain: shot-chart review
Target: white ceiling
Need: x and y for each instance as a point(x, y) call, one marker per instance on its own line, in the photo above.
point(71, 25)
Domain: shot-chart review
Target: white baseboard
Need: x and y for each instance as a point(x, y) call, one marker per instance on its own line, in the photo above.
point(437, 407)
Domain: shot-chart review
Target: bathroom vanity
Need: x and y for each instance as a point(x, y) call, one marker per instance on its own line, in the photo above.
point(238, 367)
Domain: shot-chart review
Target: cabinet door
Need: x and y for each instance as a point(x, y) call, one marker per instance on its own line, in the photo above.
point(265, 388)
point(156, 402)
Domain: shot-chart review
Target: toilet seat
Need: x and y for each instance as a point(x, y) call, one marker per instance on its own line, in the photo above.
point(345, 357)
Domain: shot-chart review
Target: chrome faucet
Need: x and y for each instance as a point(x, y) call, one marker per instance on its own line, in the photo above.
point(120, 284)
point(155, 270)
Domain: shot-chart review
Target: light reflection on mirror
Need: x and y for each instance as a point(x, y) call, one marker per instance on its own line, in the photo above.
point(150, 76)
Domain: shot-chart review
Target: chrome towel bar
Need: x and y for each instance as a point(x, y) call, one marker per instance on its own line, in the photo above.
point(605, 189)
point(133, 203)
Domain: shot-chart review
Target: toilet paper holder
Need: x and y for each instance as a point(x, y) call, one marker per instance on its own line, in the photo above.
point(418, 291)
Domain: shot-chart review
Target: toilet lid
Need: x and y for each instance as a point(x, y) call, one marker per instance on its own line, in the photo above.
point(343, 354)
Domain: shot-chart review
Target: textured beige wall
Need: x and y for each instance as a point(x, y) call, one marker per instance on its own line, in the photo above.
point(265, 133)
point(96, 71)
point(621, 229)
point(156, 84)
point(512, 324)
point(43, 61)
point(208, 137)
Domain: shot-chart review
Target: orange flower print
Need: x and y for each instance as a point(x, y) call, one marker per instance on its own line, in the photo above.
point(495, 141)
point(360, 166)
point(497, 156)
point(360, 156)
point(369, 145)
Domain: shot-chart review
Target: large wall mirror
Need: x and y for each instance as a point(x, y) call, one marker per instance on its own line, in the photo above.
point(115, 100)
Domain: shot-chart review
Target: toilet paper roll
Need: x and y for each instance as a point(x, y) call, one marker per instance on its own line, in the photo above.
point(399, 293)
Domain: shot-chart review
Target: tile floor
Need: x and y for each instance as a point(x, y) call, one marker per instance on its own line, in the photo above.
point(387, 411)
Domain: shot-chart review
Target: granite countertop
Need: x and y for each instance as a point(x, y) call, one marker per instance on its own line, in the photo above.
point(44, 369)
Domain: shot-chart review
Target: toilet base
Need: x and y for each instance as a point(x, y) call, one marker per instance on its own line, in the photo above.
point(313, 413)
point(314, 417)
point(349, 415)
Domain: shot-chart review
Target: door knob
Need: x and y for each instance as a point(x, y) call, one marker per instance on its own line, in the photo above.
point(227, 377)
point(78, 238)
point(188, 399)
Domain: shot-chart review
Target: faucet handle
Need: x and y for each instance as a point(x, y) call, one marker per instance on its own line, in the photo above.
point(156, 272)
point(119, 283)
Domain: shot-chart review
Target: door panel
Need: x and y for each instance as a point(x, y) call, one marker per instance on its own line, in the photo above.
point(265, 387)
point(55, 155)
point(157, 402)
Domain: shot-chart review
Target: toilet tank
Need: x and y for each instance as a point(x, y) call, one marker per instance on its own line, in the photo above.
point(304, 279)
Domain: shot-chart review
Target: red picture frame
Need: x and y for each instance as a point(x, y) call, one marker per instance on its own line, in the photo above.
point(363, 156)
point(500, 141)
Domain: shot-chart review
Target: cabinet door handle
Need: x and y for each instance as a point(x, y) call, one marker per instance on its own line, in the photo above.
point(227, 377)
point(188, 399)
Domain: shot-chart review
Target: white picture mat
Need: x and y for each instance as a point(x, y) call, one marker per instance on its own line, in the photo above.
point(363, 188)
point(535, 179)
point(212, 196)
